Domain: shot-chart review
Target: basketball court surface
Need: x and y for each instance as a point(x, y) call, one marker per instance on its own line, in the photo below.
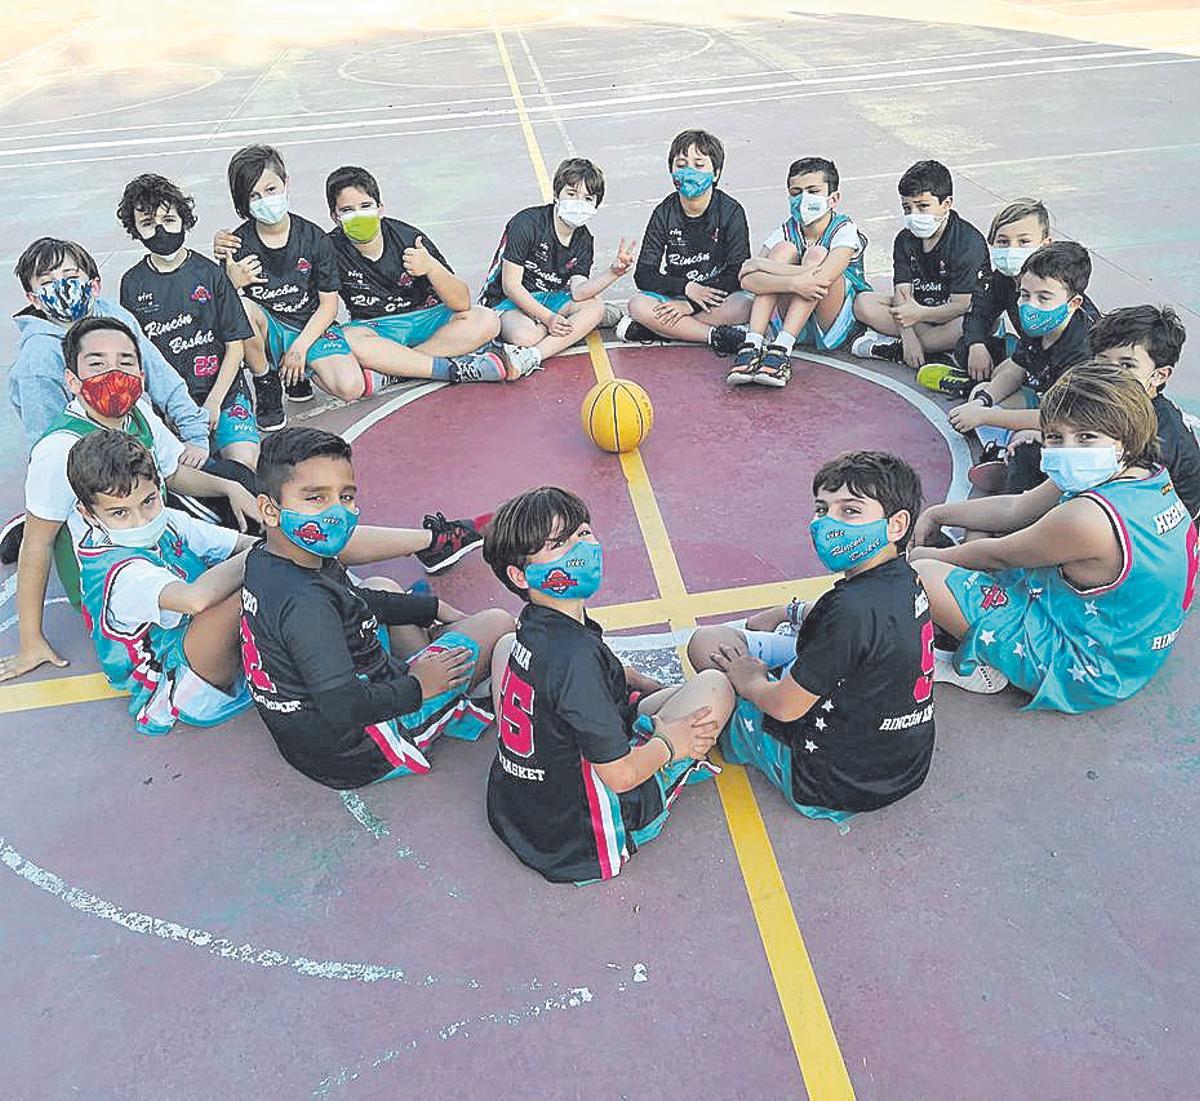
point(187, 917)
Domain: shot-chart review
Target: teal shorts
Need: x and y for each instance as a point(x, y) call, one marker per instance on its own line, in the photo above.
point(844, 326)
point(552, 300)
point(237, 423)
point(281, 337)
point(411, 328)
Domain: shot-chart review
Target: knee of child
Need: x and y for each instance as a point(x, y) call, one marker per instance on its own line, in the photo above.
point(487, 320)
point(814, 255)
point(718, 692)
point(640, 308)
point(703, 642)
point(349, 387)
point(384, 583)
point(498, 622)
point(785, 252)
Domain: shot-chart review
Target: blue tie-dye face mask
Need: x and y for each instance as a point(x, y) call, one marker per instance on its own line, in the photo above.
point(67, 299)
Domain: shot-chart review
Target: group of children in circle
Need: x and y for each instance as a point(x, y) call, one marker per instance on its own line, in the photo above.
point(1072, 584)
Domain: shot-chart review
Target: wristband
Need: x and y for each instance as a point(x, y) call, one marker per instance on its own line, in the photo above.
point(665, 741)
point(985, 398)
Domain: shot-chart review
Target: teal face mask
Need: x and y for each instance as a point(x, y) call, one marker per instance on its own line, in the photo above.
point(1076, 469)
point(841, 546)
point(691, 183)
point(1038, 322)
point(575, 574)
point(321, 533)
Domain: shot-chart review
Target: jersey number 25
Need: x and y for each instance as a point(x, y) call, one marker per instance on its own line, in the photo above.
point(516, 714)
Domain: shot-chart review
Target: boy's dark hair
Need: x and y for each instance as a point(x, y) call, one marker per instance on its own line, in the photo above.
point(1067, 262)
point(46, 253)
point(708, 144)
point(576, 170)
point(816, 164)
point(245, 167)
point(879, 475)
point(1159, 332)
point(80, 329)
point(522, 525)
point(1106, 399)
point(349, 175)
point(149, 194)
point(931, 176)
point(1015, 211)
point(283, 451)
point(108, 461)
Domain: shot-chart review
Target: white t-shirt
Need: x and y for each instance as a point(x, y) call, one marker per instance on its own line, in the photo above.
point(136, 587)
point(845, 237)
point(48, 494)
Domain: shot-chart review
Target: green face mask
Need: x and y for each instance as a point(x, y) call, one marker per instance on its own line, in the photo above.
point(361, 225)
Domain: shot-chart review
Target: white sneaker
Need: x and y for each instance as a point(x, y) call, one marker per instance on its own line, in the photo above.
point(612, 316)
point(524, 361)
point(986, 680)
point(862, 345)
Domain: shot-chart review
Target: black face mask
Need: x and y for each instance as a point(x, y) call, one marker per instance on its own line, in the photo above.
point(163, 243)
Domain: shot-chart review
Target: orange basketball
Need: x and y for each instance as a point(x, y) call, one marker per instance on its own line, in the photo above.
point(617, 415)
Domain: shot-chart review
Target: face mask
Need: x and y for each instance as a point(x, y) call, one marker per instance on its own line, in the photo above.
point(322, 533)
point(574, 211)
point(807, 208)
point(841, 546)
point(361, 225)
point(112, 393)
point(1039, 322)
point(164, 243)
point(147, 535)
point(67, 299)
point(270, 209)
point(1074, 469)
point(1010, 261)
point(574, 575)
point(691, 183)
point(922, 225)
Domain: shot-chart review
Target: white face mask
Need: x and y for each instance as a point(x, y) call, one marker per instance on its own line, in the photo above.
point(812, 207)
point(575, 211)
point(922, 225)
point(1009, 261)
point(270, 209)
point(145, 536)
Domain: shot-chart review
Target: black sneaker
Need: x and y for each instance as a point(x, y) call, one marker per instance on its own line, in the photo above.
point(745, 364)
point(725, 340)
point(10, 539)
point(634, 332)
point(775, 369)
point(300, 391)
point(269, 411)
point(485, 366)
point(451, 540)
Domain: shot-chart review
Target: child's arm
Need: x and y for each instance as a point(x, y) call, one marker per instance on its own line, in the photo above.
point(401, 609)
point(647, 275)
point(231, 364)
point(512, 277)
point(199, 483)
point(376, 544)
point(425, 259)
point(1004, 513)
point(909, 312)
point(292, 368)
point(1004, 383)
point(735, 241)
point(211, 587)
point(782, 699)
point(689, 736)
point(583, 289)
point(33, 574)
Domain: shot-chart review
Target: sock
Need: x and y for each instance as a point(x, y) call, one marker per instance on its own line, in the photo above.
point(784, 340)
point(755, 340)
point(441, 369)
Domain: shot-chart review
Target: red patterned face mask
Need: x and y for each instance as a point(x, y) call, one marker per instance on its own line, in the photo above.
point(113, 393)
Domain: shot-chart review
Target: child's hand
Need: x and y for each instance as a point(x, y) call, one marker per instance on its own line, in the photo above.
point(637, 681)
point(741, 669)
point(193, 456)
point(691, 735)
point(557, 325)
point(705, 297)
point(812, 286)
point(969, 415)
point(441, 670)
point(225, 244)
point(914, 352)
point(244, 505)
point(417, 260)
point(246, 272)
point(291, 368)
point(924, 530)
point(625, 257)
point(979, 362)
point(669, 313)
point(907, 313)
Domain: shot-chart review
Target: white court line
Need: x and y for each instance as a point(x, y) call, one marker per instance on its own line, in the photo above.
point(48, 44)
point(505, 117)
point(426, 103)
point(545, 91)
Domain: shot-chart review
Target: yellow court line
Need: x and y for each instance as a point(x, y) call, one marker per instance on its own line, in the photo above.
point(816, 1046)
point(56, 692)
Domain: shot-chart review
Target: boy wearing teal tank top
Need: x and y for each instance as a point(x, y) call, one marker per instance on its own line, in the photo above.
point(805, 279)
point(1080, 590)
point(161, 590)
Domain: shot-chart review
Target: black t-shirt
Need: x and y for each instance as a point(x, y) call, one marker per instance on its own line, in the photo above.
point(1043, 365)
point(295, 274)
point(564, 706)
point(308, 637)
point(1180, 453)
point(999, 294)
point(382, 288)
point(190, 314)
point(958, 264)
point(866, 649)
point(709, 249)
point(530, 240)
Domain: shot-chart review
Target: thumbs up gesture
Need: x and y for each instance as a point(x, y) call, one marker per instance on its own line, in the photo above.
point(417, 260)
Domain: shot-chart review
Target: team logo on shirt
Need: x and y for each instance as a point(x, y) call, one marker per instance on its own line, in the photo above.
point(201, 294)
point(310, 533)
point(405, 280)
point(302, 265)
point(146, 298)
point(993, 597)
point(238, 412)
point(558, 581)
point(571, 263)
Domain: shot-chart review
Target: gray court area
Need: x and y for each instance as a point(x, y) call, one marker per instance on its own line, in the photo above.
point(1025, 926)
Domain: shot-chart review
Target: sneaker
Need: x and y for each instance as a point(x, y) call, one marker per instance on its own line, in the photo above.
point(775, 368)
point(990, 474)
point(745, 364)
point(945, 378)
point(269, 411)
point(986, 680)
point(10, 539)
point(725, 340)
point(300, 391)
point(634, 332)
point(451, 540)
point(797, 609)
point(486, 366)
point(612, 316)
point(873, 345)
point(521, 361)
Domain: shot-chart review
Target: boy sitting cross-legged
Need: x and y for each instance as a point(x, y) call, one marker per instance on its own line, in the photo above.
point(807, 277)
point(588, 764)
point(161, 590)
point(540, 280)
point(840, 719)
point(353, 680)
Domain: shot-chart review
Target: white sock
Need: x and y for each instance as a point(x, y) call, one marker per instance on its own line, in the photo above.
point(754, 339)
point(784, 340)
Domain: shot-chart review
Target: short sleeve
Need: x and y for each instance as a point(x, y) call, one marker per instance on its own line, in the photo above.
point(326, 267)
point(774, 238)
point(587, 256)
point(48, 494)
point(830, 646)
point(970, 264)
point(232, 322)
point(901, 270)
point(434, 251)
point(168, 448)
point(519, 238)
point(211, 543)
point(846, 237)
point(583, 704)
point(133, 596)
